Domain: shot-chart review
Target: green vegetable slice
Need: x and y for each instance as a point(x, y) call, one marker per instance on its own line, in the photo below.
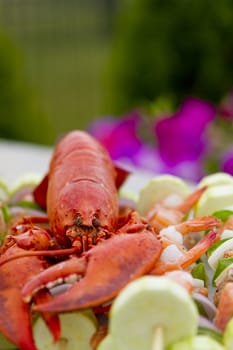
point(77, 329)
point(5, 212)
point(128, 195)
point(227, 234)
point(199, 272)
point(148, 311)
point(223, 214)
point(214, 334)
point(199, 342)
point(107, 344)
point(5, 344)
point(216, 179)
point(27, 180)
point(215, 246)
point(228, 335)
point(219, 252)
point(223, 266)
point(4, 190)
point(28, 204)
point(161, 188)
point(214, 199)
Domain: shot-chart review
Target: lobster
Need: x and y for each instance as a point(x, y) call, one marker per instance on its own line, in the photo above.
point(16, 317)
point(81, 197)
point(83, 227)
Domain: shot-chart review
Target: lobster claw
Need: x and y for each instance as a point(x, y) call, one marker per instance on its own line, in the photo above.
point(15, 315)
point(15, 322)
point(105, 270)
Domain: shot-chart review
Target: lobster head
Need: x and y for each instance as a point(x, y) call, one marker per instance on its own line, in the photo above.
point(86, 214)
point(80, 191)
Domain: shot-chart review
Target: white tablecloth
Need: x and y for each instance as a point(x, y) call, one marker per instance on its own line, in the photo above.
point(18, 159)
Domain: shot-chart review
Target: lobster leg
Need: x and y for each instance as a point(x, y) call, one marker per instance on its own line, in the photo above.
point(106, 269)
point(15, 315)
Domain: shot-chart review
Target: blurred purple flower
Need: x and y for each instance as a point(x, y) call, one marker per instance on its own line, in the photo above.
point(181, 137)
point(119, 136)
point(122, 140)
point(183, 142)
point(227, 161)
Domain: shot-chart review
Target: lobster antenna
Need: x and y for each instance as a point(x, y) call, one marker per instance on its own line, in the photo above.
point(25, 254)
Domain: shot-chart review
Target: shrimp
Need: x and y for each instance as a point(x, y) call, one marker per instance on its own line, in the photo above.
point(161, 215)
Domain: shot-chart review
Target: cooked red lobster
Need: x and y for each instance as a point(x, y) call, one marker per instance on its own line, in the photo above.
point(80, 197)
point(84, 228)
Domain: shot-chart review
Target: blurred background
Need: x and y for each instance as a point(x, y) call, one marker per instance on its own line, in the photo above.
point(52, 60)
point(66, 63)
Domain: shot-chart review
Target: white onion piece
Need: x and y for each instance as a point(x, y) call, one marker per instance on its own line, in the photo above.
point(208, 306)
point(222, 276)
point(219, 252)
point(172, 200)
point(172, 234)
point(198, 283)
point(205, 323)
point(227, 234)
point(171, 254)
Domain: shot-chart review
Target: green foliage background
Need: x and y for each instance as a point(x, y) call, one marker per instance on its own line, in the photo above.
point(171, 48)
point(64, 63)
point(21, 116)
point(62, 46)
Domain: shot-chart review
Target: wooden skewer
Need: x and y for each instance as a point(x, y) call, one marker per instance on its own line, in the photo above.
point(158, 339)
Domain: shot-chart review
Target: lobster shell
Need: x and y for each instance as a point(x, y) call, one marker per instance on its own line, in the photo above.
point(81, 184)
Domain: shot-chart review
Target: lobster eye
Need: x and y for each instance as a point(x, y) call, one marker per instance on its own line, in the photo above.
point(78, 220)
point(95, 222)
